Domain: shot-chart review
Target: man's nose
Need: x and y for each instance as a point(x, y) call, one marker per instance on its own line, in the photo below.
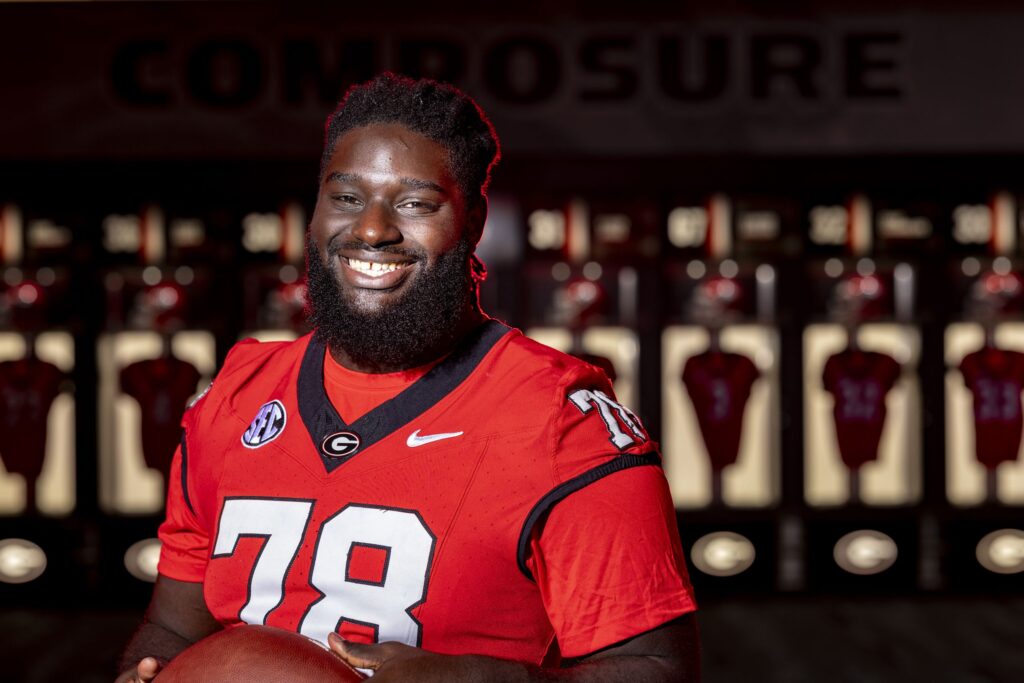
point(376, 225)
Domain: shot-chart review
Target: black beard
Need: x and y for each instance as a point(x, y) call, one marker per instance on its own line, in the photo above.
point(422, 325)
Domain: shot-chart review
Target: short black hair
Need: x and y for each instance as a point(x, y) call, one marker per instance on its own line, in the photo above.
point(437, 111)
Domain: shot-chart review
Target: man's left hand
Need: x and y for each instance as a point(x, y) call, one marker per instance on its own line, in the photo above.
point(394, 661)
point(669, 653)
point(373, 657)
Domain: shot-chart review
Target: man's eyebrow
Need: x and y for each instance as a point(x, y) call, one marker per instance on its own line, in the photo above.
point(342, 177)
point(415, 183)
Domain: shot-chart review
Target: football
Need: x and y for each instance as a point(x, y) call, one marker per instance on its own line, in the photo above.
point(257, 654)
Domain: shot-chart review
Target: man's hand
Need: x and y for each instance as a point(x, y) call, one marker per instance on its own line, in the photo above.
point(145, 671)
point(384, 659)
point(667, 654)
point(398, 662)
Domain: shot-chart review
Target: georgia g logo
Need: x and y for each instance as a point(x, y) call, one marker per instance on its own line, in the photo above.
point(341, 444)
point(266, 426)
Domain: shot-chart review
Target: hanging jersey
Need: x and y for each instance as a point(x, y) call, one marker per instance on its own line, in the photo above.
point(29, 387)
point(719, 385)
point(162, 386)
point(492, 507)
point(858, 382)
point(995, 378)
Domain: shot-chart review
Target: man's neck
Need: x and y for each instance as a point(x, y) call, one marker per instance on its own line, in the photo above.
point(470, 321)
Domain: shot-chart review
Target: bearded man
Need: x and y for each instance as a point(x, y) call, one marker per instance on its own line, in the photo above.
point(416, 485)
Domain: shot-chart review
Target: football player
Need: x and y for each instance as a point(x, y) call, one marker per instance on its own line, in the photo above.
point(416, 485)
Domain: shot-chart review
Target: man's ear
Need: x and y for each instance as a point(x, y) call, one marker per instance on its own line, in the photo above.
point(477, 218)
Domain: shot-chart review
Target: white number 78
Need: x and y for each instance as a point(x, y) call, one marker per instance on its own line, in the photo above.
point(385, 606)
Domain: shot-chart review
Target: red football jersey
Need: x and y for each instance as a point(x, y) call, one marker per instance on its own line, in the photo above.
point(353, 394)
point(995, 378)
point(162, 386)
point(859, 381)
point(494, 507)
point(719, 385)
point(29, 387)
point(602, 363)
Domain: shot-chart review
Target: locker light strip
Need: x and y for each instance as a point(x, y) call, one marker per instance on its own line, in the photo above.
point(154, 235)
point(1004, 237)
point(719, 226)
point(903, 279)
point(628, 296)
point(765, 276)
point(11, 246)
point(860, 237)
point(577, 231)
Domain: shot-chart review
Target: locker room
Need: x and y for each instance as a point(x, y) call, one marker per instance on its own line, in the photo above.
point(793, 239)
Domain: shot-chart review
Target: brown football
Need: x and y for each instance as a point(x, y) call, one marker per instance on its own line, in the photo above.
point(257, 654)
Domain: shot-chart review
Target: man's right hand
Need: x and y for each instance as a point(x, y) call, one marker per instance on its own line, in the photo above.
point(145, 671)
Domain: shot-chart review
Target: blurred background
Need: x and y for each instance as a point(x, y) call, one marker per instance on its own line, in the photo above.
point(792, 237)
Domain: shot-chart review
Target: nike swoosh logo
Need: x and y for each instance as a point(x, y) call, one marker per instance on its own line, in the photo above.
point(415, 439)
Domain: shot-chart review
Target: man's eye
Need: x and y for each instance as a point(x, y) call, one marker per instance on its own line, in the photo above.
point(345, 199)
point(418, 206)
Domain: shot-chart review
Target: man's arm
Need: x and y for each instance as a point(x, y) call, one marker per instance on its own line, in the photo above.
point(669, 654)
point(177, 617)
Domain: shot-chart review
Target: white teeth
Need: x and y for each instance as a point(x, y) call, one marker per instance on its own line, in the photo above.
point(374, 269)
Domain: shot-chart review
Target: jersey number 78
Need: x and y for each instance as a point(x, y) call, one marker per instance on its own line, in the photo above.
point(385, 606)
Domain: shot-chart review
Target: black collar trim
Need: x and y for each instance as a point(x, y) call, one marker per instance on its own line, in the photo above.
point(322, 420)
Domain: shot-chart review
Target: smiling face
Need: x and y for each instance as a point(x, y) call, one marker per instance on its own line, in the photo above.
point(388, 209)
point(389, 248)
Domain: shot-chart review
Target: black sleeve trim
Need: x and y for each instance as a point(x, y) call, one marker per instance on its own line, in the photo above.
point(184, 473)
point(569, 487)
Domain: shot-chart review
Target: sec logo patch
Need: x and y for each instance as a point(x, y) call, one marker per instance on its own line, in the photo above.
point(340, 444)
point(266, 426)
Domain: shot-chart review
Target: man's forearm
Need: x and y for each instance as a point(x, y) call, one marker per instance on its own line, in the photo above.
point(177, 617)
point(152, 640)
